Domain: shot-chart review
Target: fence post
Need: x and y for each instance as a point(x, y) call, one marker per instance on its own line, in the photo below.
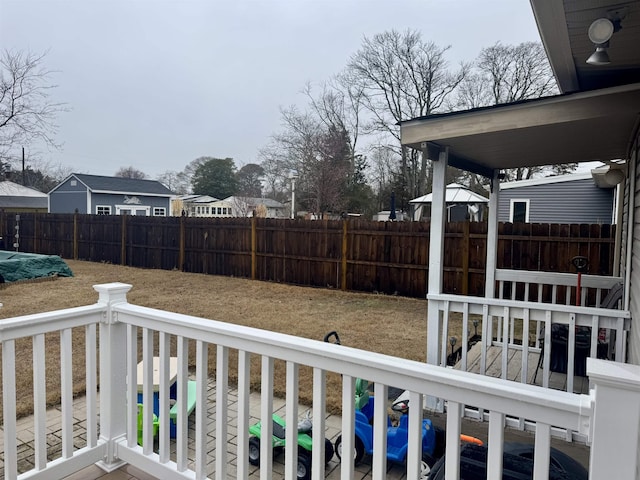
point(181, 246)
point(465, 258)
point(344, 254)
point(253, 248)
point(123, 240)
point(35, 232)
point(615, 419)
point(75, 236)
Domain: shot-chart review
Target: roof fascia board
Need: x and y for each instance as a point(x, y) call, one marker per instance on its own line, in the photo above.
point(542, 112)
point(546, 180)
point(115, 192)
point(552, 25)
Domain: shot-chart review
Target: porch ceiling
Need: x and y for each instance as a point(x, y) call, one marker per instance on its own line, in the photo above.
point(578, 127)
point(563, 27)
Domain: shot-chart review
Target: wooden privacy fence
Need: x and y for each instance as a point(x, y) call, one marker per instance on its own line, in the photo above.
point(383, 257)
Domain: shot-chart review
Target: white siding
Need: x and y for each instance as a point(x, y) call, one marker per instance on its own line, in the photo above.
point(634, 285)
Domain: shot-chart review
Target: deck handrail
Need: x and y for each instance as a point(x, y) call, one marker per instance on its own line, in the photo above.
point(546, 287)
point(557, 278)
point(128, 331)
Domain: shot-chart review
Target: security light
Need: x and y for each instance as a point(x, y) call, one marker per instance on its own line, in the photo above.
point(601, 30)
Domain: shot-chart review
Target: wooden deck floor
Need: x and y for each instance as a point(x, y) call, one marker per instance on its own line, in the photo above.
point(557, 381)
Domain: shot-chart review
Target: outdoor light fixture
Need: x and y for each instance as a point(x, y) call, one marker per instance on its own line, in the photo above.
point(600, 56)
point(600, 32)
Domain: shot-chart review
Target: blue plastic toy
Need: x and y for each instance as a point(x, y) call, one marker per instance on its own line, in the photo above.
point(397, 435)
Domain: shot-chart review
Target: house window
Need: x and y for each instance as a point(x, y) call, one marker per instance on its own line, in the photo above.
point(207, 210)
point(519, 211)
point(219, 210)
point(103, 210)
point(159, 212)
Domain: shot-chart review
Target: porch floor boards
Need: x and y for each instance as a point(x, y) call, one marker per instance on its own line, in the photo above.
point(557, 381)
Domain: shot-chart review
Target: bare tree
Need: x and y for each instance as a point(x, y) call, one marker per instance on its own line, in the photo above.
point(130, 172)
point(516, 72)
point(401, 77)
point(27, 113)
point(339, 106)
point(177, 182)
point(320, 156)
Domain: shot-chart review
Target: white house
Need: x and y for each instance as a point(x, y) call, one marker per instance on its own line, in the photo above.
point(201, 206)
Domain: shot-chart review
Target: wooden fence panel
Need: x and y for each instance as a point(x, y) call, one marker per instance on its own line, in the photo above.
point(151, 242)
point(217, 246)
point(382, 257)
point(99, 238)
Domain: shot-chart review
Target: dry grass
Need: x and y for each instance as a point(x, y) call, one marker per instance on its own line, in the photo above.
point(385, 324)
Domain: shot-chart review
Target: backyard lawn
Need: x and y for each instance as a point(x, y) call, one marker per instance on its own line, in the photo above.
point(386, 324)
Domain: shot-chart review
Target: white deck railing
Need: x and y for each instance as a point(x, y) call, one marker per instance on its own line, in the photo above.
point(603, 416)
point(528, 327)
point(550, 287)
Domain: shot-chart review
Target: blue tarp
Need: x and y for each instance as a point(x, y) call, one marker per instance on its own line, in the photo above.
point(16, 266)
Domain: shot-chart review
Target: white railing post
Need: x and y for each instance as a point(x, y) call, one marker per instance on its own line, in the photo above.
point(113, 373)
point(436, 261)
point(616, 416)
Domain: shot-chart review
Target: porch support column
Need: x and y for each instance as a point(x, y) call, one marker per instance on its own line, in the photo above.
point(492, 238)
point(436, 255)
point(113, 373)
point(615, 419)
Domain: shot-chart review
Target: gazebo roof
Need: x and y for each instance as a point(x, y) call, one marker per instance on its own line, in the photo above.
point(456, 193)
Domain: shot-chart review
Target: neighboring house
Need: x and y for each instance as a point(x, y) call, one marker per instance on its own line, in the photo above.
point(16, 198)
point(200, 206)
point(573, 198)
point(462, 204)
point(100, 195)
point(250, 206)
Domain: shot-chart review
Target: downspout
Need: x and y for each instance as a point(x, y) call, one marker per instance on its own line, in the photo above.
point(492, 238)
point(618, 219)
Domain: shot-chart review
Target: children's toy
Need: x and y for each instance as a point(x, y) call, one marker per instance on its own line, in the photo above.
point(305, 444)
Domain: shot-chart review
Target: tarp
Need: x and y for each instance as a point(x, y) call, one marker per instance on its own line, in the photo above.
point(16, 266)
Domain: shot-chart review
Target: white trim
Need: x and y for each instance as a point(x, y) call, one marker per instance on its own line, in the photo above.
point(133, 209)
point(113, 192)
point(163, 214)
point(546, 180)
point(519, 200)
point(103, 206)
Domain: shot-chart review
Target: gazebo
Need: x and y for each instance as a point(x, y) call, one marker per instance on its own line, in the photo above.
point(462, 204)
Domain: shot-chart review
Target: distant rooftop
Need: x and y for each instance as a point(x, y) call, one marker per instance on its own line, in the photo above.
point(122, 185)
point(10, 189)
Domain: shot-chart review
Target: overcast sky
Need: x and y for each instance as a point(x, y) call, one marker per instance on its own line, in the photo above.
point(155, 84)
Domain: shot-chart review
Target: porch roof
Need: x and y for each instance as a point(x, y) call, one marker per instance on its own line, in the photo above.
point(575, 127)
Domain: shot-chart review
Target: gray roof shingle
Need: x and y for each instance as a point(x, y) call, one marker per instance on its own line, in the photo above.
point(127, 185)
